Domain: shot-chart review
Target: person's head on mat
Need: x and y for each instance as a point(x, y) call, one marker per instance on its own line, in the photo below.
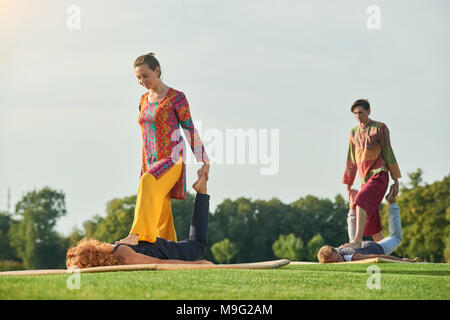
point(328, 254)
point(91, 253)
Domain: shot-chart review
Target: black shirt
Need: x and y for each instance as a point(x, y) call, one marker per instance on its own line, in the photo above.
point(368, 247)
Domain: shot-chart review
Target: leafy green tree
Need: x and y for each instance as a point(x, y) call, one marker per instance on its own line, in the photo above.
point(415, 178)
point(269, 223)
point(118, 221)
point(322, 216)
point(224, 251)
point(33, 237)
point(255, 225)
point(90, 226)
point(75, 236)
point(6, 251)
point(313, 246)
point(447, 249)
point(425, 217)
point(234, 220)
point(288, 247)
point(87, 231)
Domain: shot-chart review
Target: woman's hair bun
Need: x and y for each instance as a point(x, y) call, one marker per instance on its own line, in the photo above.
point(148, 59)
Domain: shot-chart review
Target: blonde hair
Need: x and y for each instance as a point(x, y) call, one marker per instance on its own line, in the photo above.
point(91, 253)
point(325, 253)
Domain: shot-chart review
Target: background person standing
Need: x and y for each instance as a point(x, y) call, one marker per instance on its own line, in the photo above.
point(370, 154)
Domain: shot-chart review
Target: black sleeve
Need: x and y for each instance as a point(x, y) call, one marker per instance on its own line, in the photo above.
point(346, 251)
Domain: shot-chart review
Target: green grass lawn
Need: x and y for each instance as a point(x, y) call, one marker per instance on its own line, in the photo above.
point(397, 281)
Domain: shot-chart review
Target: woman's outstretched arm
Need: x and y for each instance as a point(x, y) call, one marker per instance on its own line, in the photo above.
point(183, 113)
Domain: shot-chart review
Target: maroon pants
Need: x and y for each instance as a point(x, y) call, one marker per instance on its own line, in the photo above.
point(369, 198)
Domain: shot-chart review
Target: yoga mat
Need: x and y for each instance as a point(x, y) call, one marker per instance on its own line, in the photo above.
point(136, 267)
point(372, 260)
point(376, 260)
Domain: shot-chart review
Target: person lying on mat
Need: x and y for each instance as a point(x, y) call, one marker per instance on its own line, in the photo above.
point(93, 253)
point(370, 249)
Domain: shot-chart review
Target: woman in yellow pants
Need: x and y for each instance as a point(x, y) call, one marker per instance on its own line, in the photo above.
point(162, 111)
point(153, 213)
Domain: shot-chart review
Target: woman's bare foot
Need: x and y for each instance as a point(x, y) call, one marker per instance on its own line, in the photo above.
point(132, 239)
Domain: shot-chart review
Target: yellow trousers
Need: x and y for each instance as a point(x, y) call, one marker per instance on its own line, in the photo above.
point(153, 213)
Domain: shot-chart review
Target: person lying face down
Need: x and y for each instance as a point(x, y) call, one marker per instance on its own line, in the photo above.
point(93, 253)
point(370, 249)
point(328, 254)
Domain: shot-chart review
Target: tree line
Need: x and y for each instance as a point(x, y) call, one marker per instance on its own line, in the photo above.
point(241, 230)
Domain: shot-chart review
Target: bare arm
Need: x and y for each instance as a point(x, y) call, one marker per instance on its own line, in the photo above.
point(126, 255)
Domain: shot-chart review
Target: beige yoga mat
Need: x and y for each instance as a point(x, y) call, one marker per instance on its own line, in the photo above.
point(376, 260)
point(372, 260)
point(136, 267)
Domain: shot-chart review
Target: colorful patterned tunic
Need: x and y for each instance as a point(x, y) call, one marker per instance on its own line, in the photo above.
point(162, 140)
point(369, 153)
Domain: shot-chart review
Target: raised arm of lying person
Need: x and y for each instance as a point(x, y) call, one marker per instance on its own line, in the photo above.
point(126, 255)
point(359, 256)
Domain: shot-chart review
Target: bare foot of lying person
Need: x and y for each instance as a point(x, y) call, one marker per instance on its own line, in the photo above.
point(200, 185)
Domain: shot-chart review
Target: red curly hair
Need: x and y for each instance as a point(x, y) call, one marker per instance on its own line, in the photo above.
point(91, 253)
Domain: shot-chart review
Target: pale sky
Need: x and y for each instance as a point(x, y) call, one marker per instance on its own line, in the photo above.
point(69, 98)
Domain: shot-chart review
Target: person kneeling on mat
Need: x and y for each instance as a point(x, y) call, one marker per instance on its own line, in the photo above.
point(370, 249)
point(93, 253)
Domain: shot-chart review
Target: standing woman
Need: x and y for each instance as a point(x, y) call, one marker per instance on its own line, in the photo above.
point(163, 174)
